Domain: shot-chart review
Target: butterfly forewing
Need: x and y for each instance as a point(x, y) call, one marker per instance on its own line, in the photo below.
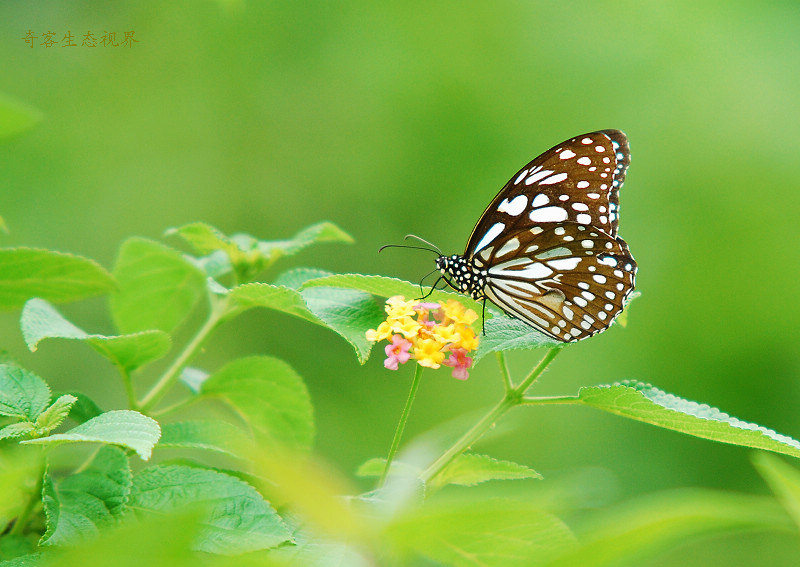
point(576, 181)
point(566, 279)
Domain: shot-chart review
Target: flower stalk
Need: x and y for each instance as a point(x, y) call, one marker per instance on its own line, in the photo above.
point(398, 432)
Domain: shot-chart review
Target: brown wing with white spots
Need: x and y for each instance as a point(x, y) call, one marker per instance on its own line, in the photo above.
point(567, 280)
point(576, 181)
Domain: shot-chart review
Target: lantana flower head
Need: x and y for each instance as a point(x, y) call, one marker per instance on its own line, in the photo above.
point(431, 333)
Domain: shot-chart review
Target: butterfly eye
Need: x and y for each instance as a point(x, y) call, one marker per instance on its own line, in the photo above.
point(546, 249)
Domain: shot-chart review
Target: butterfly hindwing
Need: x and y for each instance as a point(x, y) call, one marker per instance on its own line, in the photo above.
point(575, 181)
point(566, 279)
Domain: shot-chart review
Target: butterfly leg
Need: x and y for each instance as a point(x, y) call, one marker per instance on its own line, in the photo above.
point(433, 287)
point(483, 316)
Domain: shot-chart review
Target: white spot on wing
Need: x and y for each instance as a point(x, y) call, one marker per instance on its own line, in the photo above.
point(534, 270)
point(558, 178)
point(583, 218)
point(549, 214)
point(584, 161)
point(554, 253)
point(566, 154)
point(564, 263)
point(490, 235)
point(537, 176)
point(515, 206)
point(508, 247)
point(540, 200)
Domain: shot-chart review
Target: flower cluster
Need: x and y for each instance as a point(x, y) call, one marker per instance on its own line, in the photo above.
point(427, 332)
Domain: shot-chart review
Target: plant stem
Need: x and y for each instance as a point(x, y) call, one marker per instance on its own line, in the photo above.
point(501, 361)
point(133, 403)
point(475, 433)
point(513, 397)
point(544, 400)
point(172, 374)
point(537, 371)
point(398, 432)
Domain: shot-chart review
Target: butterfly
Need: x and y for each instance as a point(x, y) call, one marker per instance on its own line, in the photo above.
point(546, 249)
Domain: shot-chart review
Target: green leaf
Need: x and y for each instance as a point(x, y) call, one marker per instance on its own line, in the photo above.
point(314, 234)
point(157, 287)
point(15, 545)
point(236, 518)
point(31, 560)
point(210, 435)
point(638, 532)
point(387, 287)
point(470, 469)
point(269, 395)
point(126, 428)
point(375, 466)
point(205, 238)
point(297, 277)
point(20, 471)
point(84, 503)
point(644, 402)
point(22, 393)
point(784, 481)
point(491, 533)
point(279, 298)
point(16, 116)
point(504, 333)
point(247, 254)
point(346, 312)
point(467, 469)
point(84, 409)
point(55, 415)
point(55, 276)
point(40, 320)
point(20, 429)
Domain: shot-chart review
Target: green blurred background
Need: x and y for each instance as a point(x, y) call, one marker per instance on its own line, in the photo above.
point(265, 117)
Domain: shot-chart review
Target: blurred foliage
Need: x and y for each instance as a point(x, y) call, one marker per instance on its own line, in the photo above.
point(388, 119)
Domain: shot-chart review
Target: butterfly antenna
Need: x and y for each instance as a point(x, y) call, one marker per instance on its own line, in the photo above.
point(433, 247)
point(407, 246)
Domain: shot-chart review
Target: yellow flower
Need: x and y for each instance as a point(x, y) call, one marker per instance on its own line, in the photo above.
point(446, 333)
point(384, 331)
point(455, 311)
point(406, 326)
point(429, 332)
point(397, 307)
point(428, 353)
point(467, 338)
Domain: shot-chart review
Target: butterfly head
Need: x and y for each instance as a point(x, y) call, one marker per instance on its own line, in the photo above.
point(462, 275)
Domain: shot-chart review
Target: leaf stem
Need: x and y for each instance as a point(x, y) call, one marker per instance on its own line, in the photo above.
point(398, 432)
point(501, 361)
point(513, 397)
point(172, 374)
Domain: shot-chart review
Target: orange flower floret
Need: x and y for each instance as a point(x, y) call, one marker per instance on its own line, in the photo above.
point(428, 332)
